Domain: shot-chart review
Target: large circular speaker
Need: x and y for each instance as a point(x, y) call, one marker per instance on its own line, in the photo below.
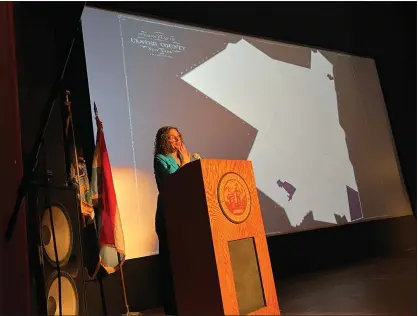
point(69, 295)
point(63, 235)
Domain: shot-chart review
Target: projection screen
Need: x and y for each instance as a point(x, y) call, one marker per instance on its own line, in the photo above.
point(313, 122)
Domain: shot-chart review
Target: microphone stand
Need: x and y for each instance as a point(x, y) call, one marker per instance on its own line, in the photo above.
point(32, 164)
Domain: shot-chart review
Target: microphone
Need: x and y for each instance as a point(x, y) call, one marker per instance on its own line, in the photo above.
point(196, 156)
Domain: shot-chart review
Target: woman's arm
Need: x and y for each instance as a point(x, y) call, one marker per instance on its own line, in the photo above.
point(160, 168)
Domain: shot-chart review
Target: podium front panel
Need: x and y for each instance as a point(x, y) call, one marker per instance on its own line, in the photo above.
point(247, 277)
point(238, 235)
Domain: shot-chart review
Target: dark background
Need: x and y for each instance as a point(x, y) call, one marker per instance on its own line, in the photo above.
point(383, 31)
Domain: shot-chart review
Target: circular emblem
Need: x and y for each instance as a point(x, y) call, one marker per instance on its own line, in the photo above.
point(234, 197)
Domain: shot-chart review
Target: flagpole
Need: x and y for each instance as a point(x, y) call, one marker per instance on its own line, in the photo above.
point(70, 123)
point(83, 222)
point(122, 276)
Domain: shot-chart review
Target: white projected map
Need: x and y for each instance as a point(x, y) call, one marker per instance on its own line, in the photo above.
point(300, 155)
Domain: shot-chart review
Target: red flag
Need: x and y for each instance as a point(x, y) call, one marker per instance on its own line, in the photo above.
point(111, 239)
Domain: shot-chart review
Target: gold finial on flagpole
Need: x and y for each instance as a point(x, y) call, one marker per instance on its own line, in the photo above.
point(96, 114)
point(67, 101)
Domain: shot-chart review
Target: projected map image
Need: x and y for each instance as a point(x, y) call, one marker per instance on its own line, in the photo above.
point(299, 138)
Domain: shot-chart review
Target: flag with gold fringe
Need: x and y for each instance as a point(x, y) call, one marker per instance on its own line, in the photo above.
point(78, 175)
point(78, 170)
point(111, 238)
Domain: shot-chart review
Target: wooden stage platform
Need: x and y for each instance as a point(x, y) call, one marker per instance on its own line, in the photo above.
point(379, 286)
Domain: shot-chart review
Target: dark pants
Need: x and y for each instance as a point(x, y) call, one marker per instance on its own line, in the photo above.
point(167, 284)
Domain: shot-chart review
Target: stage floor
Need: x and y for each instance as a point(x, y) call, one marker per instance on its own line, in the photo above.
point(381, 286)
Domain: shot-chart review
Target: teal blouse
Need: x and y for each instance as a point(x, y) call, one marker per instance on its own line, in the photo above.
point(163, 166)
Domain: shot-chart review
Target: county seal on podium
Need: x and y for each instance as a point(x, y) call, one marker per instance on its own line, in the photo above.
point(234, 197)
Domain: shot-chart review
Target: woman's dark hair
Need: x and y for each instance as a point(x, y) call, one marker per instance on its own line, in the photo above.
point(161, 144)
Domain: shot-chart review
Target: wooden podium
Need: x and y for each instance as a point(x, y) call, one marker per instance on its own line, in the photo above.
point(218, 247)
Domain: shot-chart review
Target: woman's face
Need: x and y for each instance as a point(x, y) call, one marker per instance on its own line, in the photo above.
point(174, 139)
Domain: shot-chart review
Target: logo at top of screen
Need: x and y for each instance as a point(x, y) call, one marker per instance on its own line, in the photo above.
point(158, 44)
point(234, 197)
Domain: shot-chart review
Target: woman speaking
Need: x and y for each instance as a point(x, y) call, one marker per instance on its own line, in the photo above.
point(170, 154)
